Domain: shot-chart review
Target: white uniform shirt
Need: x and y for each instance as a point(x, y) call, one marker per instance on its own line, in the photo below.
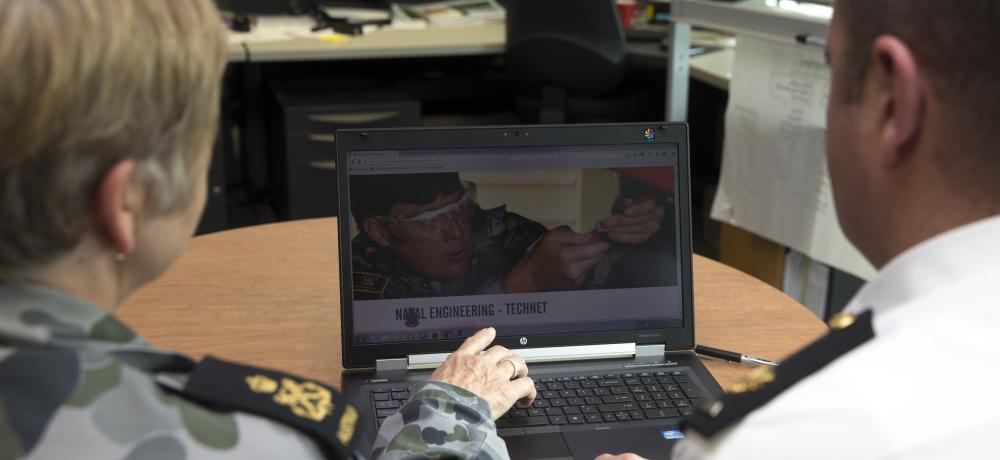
point(926, 386)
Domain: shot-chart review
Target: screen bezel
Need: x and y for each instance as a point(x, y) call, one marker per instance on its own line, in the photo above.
point(364, 356)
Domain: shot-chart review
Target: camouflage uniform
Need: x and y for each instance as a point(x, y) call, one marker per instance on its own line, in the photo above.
point(499, 240)
point(77, 383)
point(461, 427)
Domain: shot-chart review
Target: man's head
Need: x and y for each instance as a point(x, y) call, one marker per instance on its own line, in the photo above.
point(422, 219)
point(913, 145)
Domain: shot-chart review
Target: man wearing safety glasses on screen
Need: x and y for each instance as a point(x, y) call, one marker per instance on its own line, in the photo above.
point(424, 235)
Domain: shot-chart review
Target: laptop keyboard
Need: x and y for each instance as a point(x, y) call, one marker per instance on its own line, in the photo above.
point(580, 399)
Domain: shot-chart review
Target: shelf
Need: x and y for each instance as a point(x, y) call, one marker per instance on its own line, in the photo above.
point(781, 20)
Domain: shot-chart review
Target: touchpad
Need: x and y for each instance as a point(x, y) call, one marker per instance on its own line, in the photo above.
point(548, 445)
point(647, 442)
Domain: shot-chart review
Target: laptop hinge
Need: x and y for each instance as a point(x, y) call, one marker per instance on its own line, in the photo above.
point(394, 364)
point(650, 351)
point(540, 355)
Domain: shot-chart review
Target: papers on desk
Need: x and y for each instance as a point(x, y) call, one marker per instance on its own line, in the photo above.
point(456, 12)
point(283, 28)
point(403, 20)
point(358, 12)
point(774, 180)
point(444, 13)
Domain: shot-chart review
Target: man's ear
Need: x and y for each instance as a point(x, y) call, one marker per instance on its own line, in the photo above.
point(375, 231)
point(902, 96)
point(115, 207)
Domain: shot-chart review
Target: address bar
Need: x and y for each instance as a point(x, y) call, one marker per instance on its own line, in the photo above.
point(502, 159)
point(398, 157)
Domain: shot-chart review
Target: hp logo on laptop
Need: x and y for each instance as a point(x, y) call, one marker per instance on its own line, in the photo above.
point(523, 341)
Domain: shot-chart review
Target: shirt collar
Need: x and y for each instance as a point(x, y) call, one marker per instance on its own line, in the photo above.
point(34, 315)
point(940, 262)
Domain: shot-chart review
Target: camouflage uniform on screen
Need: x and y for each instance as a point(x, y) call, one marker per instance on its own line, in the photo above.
point(77, 383)
point(499, 240)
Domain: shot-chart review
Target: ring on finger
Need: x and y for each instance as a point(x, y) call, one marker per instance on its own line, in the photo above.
point(513, 366)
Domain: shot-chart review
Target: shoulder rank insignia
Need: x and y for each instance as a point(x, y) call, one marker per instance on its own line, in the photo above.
point(310, 407)
point(370, 283)
point(754, 380)
point(765, 383)
point(305, 399)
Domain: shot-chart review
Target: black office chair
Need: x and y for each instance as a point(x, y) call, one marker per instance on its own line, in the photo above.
point(567, 58)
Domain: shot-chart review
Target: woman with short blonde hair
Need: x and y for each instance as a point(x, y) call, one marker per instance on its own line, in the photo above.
point(99, 82)
point(108, 109)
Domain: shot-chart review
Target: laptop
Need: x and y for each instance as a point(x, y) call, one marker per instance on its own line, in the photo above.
point(573, 241)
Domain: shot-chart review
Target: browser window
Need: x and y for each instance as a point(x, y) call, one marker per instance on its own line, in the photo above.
point(528, 240)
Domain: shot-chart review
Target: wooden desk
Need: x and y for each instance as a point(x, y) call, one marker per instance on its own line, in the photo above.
point(482, 39)
point(269, 295)
point(472, 40)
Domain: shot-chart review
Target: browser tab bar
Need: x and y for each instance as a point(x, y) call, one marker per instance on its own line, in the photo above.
point(511, 158)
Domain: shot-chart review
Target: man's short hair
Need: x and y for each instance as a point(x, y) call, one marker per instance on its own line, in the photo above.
point(88, 83)
point(374, 195)
point(956, 42)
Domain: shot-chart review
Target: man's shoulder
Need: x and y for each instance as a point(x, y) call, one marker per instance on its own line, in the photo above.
point(873, 402)
point(365, 254)
point(803, 421)
point(373, 269)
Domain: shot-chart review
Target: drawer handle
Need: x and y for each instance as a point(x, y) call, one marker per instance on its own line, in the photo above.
point(329, 138)
point(355, 118)
point(326, 165)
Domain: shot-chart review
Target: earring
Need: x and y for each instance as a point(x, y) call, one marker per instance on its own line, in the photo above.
point(120, 256)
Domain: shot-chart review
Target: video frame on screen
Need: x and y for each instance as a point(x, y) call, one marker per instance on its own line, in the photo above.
point(453, 234)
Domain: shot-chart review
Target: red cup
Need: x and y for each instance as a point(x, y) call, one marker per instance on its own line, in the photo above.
point(626, 10)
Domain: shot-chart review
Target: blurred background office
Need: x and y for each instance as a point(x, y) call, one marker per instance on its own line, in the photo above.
point(301, 69)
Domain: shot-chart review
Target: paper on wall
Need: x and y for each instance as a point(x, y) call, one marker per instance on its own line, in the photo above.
point(774, 180)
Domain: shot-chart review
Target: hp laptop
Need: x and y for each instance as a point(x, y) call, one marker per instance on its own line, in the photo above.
point(573, 241)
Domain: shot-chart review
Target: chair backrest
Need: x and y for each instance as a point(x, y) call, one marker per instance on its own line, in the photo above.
point(578, 44)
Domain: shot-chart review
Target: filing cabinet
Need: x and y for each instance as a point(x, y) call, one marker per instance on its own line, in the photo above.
point(303, 149)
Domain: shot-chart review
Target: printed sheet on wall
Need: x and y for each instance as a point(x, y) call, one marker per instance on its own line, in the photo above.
point(774, 179)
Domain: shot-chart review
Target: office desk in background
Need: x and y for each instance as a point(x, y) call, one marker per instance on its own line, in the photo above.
point(438, 41)
point(269, 295)
point(253, 165)
point(441, 41)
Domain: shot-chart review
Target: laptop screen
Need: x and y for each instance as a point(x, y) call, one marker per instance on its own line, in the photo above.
point(528, 239)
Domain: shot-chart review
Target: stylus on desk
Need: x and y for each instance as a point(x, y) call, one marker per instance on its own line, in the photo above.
point(731, 356)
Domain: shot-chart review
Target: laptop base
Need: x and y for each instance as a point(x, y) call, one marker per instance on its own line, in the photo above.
point(582, 441)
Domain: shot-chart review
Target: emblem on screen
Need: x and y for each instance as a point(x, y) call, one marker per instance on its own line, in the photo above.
point(412, 317)
point(523, 341)
point(649, 134)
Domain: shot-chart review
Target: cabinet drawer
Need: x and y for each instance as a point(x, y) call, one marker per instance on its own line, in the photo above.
point(324, 120)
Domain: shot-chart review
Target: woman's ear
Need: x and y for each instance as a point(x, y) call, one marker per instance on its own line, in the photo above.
point(116, 205)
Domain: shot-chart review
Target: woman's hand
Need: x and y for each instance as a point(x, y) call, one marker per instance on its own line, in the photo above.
point(497, 375)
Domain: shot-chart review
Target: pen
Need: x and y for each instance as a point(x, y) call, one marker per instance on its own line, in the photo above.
point(731, 356)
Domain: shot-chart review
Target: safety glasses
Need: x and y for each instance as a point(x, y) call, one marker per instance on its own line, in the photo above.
point(433, 224)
